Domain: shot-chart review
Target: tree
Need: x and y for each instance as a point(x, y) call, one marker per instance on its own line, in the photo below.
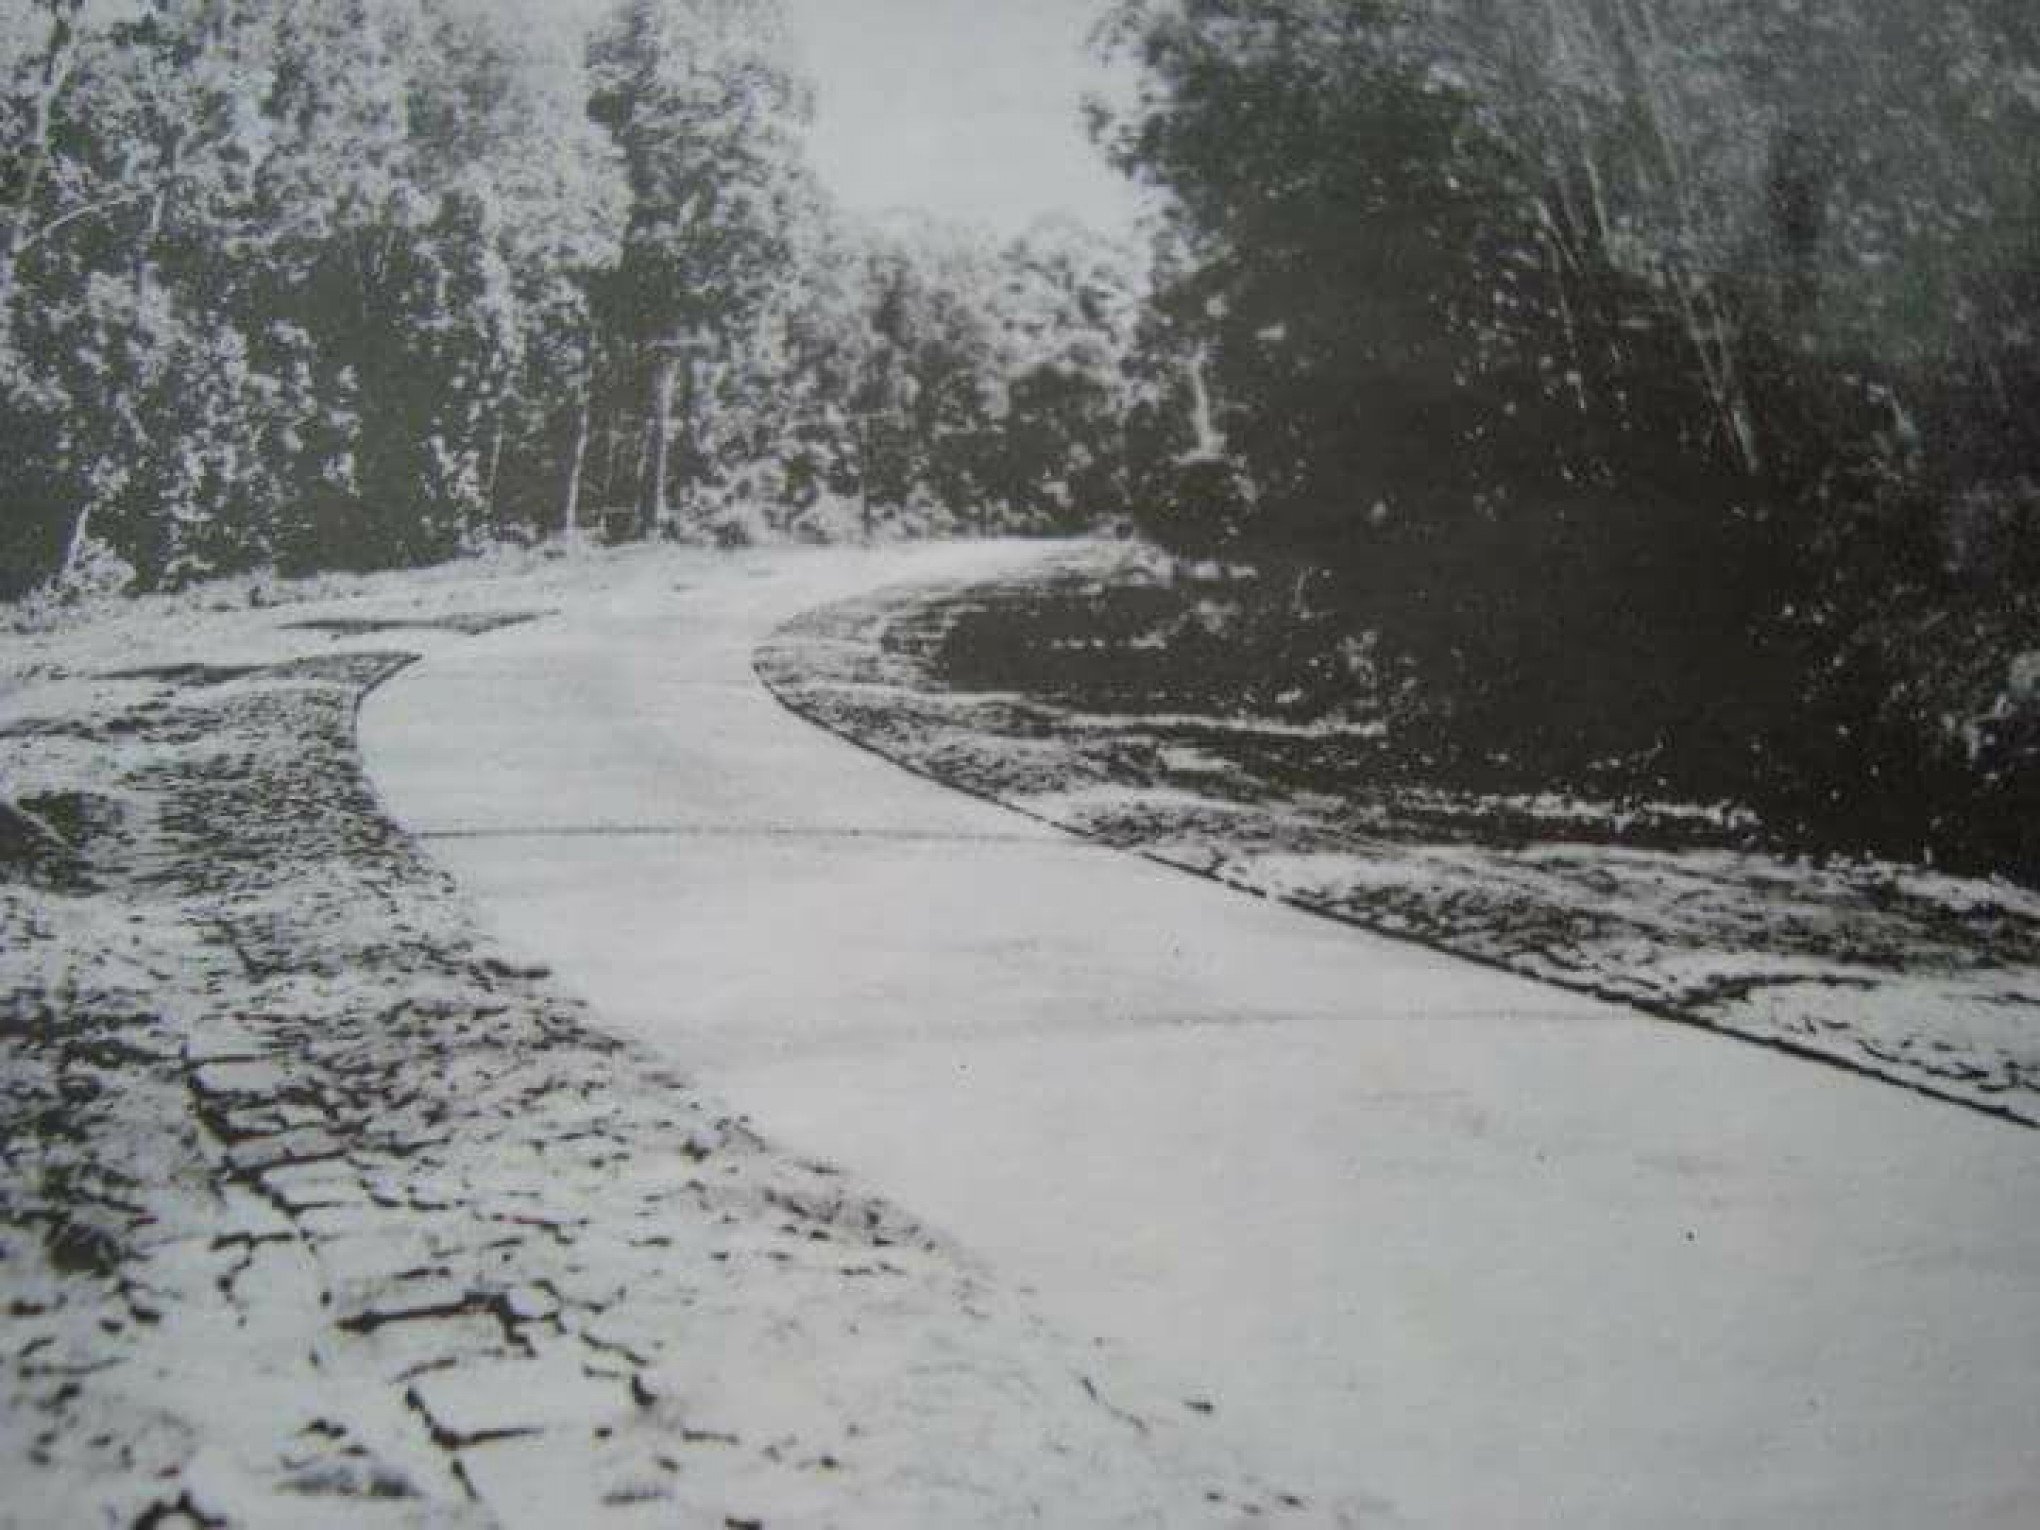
point(1672, 347)
point(1068, 308)
point(293, 283)
point(1336, 212)
point(707, 118)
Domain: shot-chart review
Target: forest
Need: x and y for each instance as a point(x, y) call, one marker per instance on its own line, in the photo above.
point(1645, 392)
point(363, 283)
point(1639, 394)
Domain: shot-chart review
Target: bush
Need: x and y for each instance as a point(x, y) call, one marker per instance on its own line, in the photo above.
point(1199, 508)
point(92, 574)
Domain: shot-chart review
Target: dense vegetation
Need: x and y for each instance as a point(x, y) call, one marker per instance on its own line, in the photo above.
point(1642, 394)
point(1653, 384)
point(359, 282)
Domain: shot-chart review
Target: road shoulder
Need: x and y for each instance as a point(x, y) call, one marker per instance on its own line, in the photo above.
point(317, 1206)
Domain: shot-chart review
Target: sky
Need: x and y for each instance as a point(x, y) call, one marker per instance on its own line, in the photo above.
point(967, 109)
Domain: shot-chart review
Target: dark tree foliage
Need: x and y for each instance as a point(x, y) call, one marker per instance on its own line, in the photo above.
point(1655, 379)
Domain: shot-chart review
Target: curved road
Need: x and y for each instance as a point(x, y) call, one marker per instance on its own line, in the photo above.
point(1439, 1246)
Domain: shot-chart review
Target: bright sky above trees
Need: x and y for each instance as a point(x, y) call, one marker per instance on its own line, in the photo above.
point(962, 108)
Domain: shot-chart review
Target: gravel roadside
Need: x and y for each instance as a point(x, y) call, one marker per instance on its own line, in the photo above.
point(314, 1208)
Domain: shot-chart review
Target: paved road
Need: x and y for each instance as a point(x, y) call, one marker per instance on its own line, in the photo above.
point(1441, 1245)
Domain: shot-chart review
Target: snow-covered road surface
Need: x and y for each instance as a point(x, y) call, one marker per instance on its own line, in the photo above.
point(1439, 1244)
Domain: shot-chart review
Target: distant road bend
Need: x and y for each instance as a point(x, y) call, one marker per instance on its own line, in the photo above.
point(1444, 1245)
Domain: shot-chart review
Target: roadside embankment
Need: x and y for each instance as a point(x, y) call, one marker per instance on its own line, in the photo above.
point(1927, 981)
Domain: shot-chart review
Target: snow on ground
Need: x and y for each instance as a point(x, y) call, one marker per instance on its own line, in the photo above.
point(1926, 980)
point(315, 1208)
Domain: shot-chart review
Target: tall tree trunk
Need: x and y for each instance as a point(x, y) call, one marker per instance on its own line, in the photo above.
point(613, 439)
point(1707, 323)
point(864, 473)
point(641, 470)
point(81, 532)
point(1211, 443)
point(1561, 276)
point(659, 428)
point(495, 468)
point(570, 517)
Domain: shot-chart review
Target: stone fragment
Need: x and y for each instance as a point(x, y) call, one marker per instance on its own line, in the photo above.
point(513, 1397)
point(553, 1480)
point(259, 1078)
